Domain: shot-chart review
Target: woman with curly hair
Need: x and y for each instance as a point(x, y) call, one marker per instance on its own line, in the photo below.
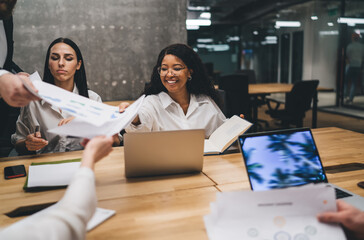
point(179, 96)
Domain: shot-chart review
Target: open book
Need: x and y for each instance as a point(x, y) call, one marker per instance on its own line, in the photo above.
point(225, 135)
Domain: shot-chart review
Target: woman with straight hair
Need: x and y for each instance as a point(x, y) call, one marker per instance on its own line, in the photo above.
point(64, 67)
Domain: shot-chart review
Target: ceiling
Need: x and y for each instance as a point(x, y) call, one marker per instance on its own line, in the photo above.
point(239, 12)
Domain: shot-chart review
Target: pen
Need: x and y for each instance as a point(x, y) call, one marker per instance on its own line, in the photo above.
point(37, 129)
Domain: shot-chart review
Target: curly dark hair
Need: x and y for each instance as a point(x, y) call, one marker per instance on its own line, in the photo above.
point(80, 75)
point(200, 83)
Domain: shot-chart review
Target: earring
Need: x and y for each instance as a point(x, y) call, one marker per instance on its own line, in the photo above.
point(189, 78)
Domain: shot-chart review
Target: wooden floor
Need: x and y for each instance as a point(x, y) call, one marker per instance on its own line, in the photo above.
point(324, 119)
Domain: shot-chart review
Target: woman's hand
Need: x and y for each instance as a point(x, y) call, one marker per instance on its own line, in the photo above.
point(23, 74)
point(34, 142)
point(96, 149)
point(242, 115)
point(123, 106)
point(65, 121)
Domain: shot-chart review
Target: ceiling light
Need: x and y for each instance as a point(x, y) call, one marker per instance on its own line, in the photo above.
point(350, 20)
point(192, 27)
point(198, 22)
point(328, 33)
point(271, 38)
point(233, 39)
point(205, 40)
point(205, 15)
point(314, 18)
point(288, 24)
point(330, 24)
point(214, 47)
point(198, 8)
point(255, 33)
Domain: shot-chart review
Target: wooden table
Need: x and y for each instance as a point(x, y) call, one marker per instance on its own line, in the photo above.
point(263, 89)
point(171, 207)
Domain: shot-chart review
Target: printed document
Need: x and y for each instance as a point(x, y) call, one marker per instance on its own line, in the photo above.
point(91, 118)
point(275, 214)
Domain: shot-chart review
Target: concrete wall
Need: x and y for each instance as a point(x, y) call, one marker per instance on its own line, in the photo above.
point(119, 39)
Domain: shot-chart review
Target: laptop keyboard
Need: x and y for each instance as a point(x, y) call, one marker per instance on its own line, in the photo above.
point(341, 194)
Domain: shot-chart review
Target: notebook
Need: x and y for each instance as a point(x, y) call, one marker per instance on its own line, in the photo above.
point(163, 152)
point(286, 158)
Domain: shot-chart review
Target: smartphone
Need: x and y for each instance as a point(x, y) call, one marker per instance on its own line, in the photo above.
point(14, 172)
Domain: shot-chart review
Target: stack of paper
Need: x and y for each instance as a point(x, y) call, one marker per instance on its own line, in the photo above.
point(51, 175)
point(92, 118)
point(276, 214)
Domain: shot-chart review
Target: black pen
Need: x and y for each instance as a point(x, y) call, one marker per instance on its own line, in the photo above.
point(37, 129)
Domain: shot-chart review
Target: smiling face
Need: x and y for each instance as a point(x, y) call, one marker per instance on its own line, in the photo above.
point(63, 63)
point(174, 74)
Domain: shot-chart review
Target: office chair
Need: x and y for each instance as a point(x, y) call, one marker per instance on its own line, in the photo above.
point(298, 101)
point(236, 87)
point(258, 100)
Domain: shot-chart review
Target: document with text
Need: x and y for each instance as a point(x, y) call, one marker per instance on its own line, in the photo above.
point(275, 214)
point(92, 118)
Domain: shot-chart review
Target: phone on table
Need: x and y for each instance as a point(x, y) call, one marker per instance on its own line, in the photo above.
point(14, 172)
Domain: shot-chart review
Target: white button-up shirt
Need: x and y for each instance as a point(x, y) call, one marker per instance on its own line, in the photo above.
point(161, 113)
point(46, 116)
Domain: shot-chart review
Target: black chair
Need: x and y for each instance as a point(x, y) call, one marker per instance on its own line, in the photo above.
point(298, 101)
point(257, 101)
point(236, 87)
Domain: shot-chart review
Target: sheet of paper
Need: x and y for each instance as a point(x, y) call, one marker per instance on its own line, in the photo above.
point(79, 128)
point(52, 174)
point(100, 215)
point(92, 118)
point(209, 147)
point(81, 107)
point(276, 214)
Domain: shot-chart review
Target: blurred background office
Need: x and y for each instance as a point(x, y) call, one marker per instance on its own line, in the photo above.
point(282, 41)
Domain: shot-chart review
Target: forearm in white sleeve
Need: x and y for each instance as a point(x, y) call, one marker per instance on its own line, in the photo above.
point(65, 220)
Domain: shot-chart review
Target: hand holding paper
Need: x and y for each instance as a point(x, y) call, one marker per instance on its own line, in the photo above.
point(91, 118)
point(275, 214)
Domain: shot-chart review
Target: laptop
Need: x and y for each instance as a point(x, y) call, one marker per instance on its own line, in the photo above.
point(164, 152)
point(286, 158)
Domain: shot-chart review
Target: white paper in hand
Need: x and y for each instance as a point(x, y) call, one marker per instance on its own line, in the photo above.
point(92, 118)
point(276, 214)
point(79, 128)
point(100, 215)
point(78, 106)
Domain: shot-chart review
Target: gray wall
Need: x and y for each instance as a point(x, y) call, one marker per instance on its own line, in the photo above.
point(119, 39)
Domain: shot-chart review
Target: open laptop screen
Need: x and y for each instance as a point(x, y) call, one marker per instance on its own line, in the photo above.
point(281, 159)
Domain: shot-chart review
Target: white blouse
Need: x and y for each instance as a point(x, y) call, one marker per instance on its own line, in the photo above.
point(46, 116)
point(161, 113)
point(65, 220)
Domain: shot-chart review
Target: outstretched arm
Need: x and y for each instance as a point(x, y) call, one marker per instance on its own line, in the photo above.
point(14, 92)
point(69, 217)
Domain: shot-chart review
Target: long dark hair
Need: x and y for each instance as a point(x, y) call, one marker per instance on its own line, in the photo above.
point(200, 83)
point(80, 75)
